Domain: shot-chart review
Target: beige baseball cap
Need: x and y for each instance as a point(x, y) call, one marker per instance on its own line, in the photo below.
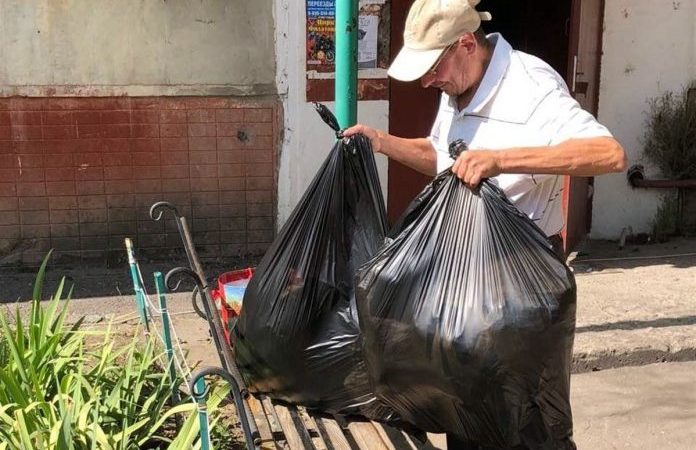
point(431, 26)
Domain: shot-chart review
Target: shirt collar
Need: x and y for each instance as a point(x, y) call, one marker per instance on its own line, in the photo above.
point(500, 60)
point(518, 99)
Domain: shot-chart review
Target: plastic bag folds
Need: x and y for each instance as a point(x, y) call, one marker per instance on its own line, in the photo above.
point(468, 318)
point(297, 338)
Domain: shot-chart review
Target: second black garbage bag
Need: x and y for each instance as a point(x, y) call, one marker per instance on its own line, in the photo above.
point(298, 338)
point(468, 319)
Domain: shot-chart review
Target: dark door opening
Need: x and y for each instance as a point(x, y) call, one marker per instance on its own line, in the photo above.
point(538, 27)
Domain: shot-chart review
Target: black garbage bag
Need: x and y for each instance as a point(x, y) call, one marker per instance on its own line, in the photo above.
point(297, 338)
point(468, 319)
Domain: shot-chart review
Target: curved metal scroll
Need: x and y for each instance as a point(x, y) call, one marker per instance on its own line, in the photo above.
point(252, 436)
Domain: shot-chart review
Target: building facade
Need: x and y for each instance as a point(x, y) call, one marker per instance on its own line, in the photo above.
point(108, 107)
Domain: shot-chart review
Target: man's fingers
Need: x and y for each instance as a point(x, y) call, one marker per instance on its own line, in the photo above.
point(473, 166)
point(459, 170)
point(467, 179)
point(355, 129)
point(475, 180)
point(470, 177)
point(347, 133)
point(460, 166)
point(360, 129)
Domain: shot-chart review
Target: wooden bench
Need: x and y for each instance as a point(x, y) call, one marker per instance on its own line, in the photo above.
point(282, 426)
point(289, 427)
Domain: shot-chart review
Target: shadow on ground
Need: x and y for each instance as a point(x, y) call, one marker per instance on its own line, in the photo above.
point(637, 324)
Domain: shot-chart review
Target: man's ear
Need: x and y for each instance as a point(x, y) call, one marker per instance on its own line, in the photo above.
point(468, 41)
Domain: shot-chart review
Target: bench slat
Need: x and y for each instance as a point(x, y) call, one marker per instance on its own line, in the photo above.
point(302, 429)
point(292, 436)
point(437, 441)
point(429, 444)
point(394, 438)
point(311, 426)
point(332, 433)
point(366, 436)
point(262, 422)
point(293, 428)
point(273, 420)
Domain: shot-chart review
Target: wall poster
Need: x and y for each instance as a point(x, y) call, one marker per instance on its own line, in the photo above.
point(321, 24)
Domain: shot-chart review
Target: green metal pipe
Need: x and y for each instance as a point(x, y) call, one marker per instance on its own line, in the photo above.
point(159, 283)
point(137, 286)
point(202, 414)
point(346, 62)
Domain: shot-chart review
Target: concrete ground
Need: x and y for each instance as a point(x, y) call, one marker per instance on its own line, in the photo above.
point(632, 408)
point(636, 307)
point(646, 407)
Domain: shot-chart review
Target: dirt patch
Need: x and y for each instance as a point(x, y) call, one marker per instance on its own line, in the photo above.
point(99, 280)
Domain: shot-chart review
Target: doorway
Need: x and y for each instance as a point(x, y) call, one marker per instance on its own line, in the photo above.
point(537, 27)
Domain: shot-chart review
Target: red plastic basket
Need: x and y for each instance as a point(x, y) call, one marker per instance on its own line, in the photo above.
point(229, 303)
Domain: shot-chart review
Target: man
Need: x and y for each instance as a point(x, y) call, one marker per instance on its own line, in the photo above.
point(522, 126)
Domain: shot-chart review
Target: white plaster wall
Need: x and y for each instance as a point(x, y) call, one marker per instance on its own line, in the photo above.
point(136, 47)
point(307, 140)
point(649, 47)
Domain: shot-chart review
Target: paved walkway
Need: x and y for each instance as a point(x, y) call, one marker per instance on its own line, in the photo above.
point(636, 305)
point(636, 408)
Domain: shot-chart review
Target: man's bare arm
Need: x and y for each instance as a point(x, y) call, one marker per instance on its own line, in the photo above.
point(583, 157)
point(417, 154)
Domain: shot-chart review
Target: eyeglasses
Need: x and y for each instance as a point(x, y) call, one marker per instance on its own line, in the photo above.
point(433, 70)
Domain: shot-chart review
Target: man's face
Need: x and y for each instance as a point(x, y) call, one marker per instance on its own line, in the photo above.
point(452, 71)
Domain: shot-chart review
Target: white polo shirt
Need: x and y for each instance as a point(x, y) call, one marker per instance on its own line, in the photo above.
point(521, 102)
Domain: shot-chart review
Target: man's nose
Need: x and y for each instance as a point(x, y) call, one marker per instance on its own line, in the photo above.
point(427, 80)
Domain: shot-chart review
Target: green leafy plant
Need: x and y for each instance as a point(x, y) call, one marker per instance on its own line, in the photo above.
point(670, 134)
point(4, 352)
point(188, 436)
point(58, 390)
point(666, 221)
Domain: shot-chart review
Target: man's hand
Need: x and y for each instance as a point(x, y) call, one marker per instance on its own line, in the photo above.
point(472, 166)
point(375, 136)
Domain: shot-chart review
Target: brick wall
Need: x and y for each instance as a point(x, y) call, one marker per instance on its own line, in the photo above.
point(79, 174)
